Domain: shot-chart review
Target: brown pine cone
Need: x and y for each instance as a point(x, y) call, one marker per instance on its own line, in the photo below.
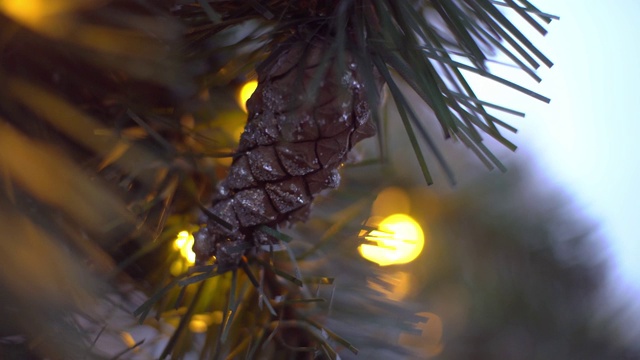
point(289, 152)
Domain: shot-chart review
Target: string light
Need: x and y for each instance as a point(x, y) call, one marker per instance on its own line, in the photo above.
point(184, 244)
point(200, 322)
point(398, 240)
point(245, 93)
point(38, 14)
point(25, 11)
point(127, 339)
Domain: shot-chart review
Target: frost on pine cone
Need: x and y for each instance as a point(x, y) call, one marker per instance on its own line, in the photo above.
point(290, 150)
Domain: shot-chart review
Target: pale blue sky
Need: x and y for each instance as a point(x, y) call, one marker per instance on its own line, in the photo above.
point(587, 137)
point(586, 140)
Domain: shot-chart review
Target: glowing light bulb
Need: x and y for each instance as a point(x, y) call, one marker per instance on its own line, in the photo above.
point(398, 240)
point(38, 14)
point(183, 243)
point(245, 93)
point(391, 200)
point(178, 267)
point(26, 11)
point(127, 339)
point(200, 322)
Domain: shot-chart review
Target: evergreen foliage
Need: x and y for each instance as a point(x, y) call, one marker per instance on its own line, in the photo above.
point(117, 121)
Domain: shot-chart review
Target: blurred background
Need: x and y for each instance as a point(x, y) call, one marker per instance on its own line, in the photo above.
point(582, 141)
point(591, 152)
point(102, 174)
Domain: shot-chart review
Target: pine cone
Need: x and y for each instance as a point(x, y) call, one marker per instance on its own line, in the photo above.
point(289, 152)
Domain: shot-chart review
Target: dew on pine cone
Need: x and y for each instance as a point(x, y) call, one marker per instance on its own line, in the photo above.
point(289, 152)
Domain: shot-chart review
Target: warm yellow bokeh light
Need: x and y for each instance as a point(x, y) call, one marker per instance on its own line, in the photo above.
point(397, 285)
point(127, 339)
point(197, 326)
point(391, 200)
point(34, 13)
point(178, 267)
point(398, 240)
point(245, 93)
point(199, 323)
point(25, 11)
point(428, 344)
point(184, 243)
point(226, 129)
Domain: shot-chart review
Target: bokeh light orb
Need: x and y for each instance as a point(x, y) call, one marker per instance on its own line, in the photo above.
point(245, 93)
point(184, 243)
point(399, 239)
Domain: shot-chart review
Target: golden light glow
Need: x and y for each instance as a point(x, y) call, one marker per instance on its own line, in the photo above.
point(127, 339)
point(184, 243)
point(34, 13)
point(216, 317)
point(397, 285)
point(245, 93)
point(24, 11)
point(197, 326)
point(391, 200)
point(178, 267)
point(200, 322)
point(226, 129)
point(428, 344)
point(398, 240)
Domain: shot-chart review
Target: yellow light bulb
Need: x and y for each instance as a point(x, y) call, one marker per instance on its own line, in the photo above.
point(200, 322)
point(39, 13)
point(398, 240)
point(26, 11)
point(178, 267)
point(184, 243)
point(245, 93)
point(127, 339)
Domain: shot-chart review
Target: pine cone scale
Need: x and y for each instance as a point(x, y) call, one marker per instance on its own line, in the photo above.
point(298, 127)
point(331, 151)
point(288, 195)
point(265, 165)
point(240, 175)
point(298, 158)
point(253, 207)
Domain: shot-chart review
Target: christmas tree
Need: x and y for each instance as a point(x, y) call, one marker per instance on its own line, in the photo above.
point(124, 147)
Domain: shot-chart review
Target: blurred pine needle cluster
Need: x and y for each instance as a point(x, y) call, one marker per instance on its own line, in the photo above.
point(93, 153)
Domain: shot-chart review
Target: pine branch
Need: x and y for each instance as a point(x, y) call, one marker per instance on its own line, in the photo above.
point(430, 44)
